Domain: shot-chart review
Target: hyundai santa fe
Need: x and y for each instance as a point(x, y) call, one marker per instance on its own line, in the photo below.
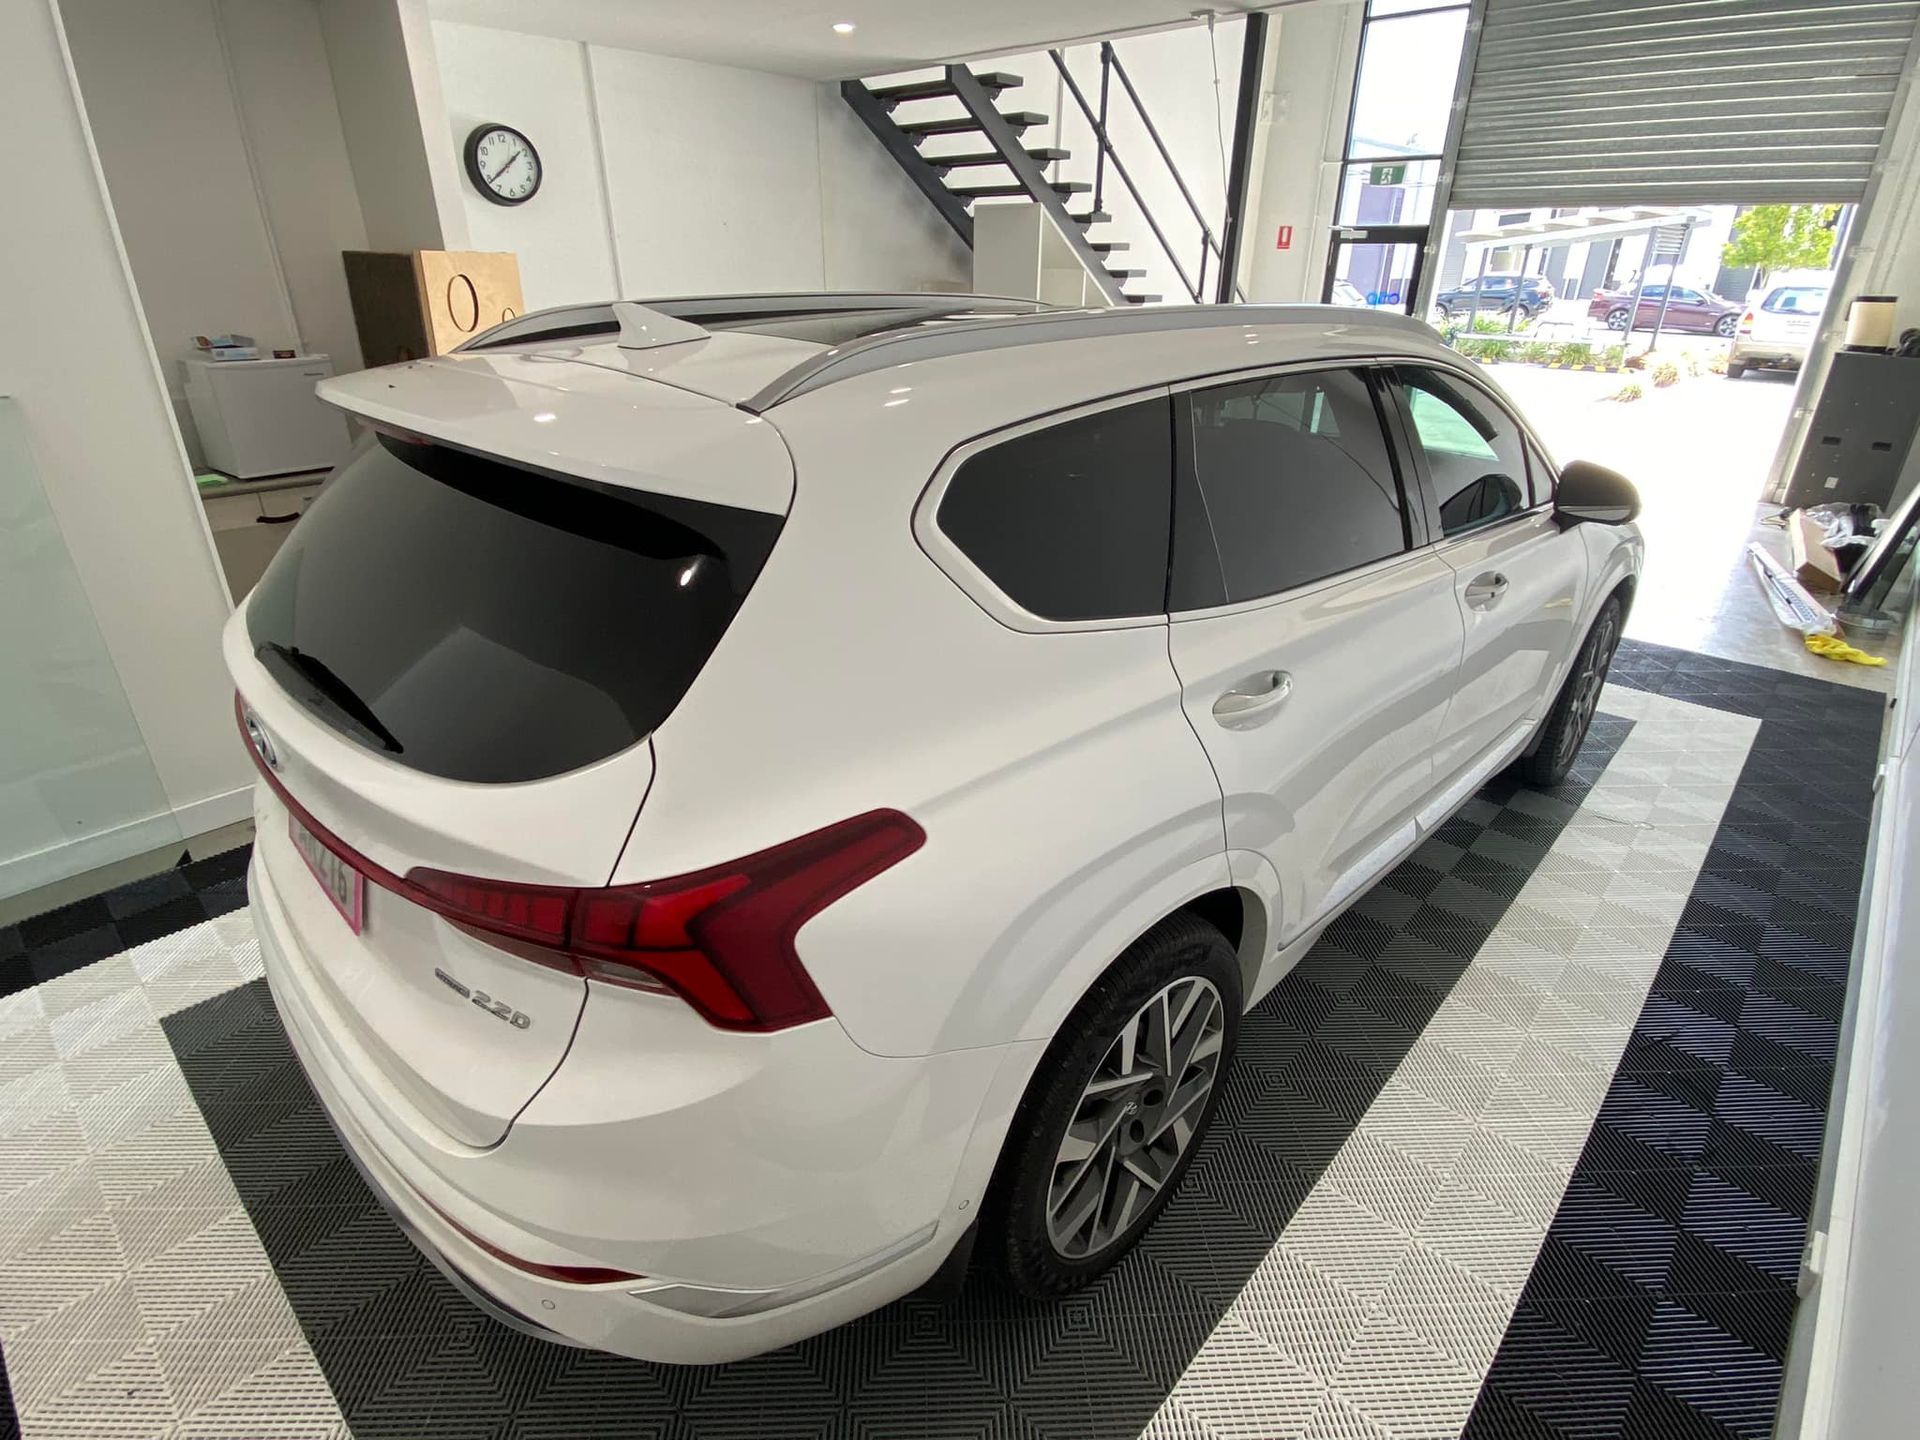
point(767, 801)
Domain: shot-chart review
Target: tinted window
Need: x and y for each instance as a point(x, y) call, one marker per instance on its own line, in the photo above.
point(483, 622)
point(1071, 521)
point(1296, 478)
point(1473, 452)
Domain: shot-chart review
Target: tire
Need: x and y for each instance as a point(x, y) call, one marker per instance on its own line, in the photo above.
point(1616, 320)
point(1726, 325)
point(1565, 728)
point(1735, 369)
point(1034, 1233)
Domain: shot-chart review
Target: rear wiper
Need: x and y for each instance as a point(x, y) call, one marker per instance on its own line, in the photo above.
point(341, 695)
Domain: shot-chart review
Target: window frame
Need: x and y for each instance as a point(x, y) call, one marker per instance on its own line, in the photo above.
point(1415, 456)
point(960, 567)
point(1414, 505)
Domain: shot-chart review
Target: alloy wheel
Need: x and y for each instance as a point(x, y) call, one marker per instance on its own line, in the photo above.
point(1724, 327)
point(1137, 1115)
point(1617, 320)
point(1589, 683)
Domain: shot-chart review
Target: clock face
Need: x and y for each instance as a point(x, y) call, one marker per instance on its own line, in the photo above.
point(503, 164)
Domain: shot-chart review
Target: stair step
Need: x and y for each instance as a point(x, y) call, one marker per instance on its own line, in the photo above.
point(1107, 247)
point(977, 192)
point(962, 124)
point(1089, 217)
point(1142, 299)
point(993, 82)
point(1119, 274)
point(991, 157)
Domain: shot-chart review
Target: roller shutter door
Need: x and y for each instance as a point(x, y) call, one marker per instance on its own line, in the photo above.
point(1649, 102)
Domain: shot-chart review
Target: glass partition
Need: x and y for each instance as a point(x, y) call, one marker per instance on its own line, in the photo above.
point(77, 787)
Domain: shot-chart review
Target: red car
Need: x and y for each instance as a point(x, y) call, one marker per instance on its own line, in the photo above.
point(1687, 309)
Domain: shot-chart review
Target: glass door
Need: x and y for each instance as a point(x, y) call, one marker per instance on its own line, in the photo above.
point(1375, 267)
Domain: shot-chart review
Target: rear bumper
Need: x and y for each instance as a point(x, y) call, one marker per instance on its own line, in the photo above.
point(870, 1221)
point(1787, 354)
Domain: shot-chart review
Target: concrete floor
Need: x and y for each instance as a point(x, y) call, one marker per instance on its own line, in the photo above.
point(1699, 452)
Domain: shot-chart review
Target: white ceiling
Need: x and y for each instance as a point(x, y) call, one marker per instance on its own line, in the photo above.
point(795, 37)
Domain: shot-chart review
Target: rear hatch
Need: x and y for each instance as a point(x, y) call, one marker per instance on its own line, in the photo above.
point(1789, 315)
point(452, 669)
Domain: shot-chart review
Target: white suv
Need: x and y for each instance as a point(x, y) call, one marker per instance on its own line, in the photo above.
point(764, 792)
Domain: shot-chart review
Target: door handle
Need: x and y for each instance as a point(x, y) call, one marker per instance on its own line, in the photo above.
point(1253, 700)
point(1485, 590)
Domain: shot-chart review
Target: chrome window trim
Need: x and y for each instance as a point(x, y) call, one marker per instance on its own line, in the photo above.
point(974, 582)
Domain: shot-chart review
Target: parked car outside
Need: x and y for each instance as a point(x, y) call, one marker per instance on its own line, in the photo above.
point(1694, 311)
point(1497, 295)
point(1775, 333)
point(756, 812)
point(1345, 292)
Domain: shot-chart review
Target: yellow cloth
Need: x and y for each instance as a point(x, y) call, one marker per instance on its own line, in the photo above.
point(1832, 647)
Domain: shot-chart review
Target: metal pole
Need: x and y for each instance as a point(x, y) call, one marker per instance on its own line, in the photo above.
point(1666, 295)
point(1449, 159)
point(1513, 310)
point(1253, 54)
point(1100, 130)
point(1479, 284)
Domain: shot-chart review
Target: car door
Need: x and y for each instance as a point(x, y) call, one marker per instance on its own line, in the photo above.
point(1518, 576)
point(1689, 310)
point(1649, 308)
point(1313, 631)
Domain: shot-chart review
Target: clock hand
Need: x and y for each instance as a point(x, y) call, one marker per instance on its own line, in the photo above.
point(506, 167)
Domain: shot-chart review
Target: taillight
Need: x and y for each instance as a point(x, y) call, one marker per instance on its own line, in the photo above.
point(1746, 323)
point(722, 938)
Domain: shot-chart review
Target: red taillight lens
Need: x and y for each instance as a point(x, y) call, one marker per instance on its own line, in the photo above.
point(721, 938)
point(1746, 321)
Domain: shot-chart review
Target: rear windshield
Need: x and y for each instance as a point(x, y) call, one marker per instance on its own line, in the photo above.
point(1796, 300)
point(480, 621)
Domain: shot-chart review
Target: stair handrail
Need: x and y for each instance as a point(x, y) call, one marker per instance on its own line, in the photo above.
point(1209, 243)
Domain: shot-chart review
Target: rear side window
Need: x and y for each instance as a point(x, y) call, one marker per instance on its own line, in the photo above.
point(479, 621)
point(1474, 453)
point(1297, 480)
point(1072, 521)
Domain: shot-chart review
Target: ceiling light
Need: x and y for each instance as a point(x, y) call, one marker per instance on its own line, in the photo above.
point(844, 27)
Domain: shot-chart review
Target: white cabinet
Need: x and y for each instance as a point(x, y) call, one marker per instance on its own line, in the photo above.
point(261, 417)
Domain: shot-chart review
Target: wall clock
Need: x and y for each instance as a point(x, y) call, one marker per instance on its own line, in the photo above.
point(503, 164)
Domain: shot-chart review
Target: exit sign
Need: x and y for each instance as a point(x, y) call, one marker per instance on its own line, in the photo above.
point(1387, 175)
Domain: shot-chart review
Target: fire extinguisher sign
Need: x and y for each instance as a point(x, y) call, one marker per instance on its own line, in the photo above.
point(1284, 241)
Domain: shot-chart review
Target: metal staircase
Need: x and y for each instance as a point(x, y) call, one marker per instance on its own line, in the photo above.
point(953, 182)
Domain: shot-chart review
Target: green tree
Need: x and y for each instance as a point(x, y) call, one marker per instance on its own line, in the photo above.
point(1782, 237)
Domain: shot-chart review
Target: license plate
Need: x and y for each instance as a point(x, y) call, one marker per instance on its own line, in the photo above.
point(345, 886)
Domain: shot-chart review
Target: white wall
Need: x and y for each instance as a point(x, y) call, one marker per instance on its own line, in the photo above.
point(561, 235)
point(291, 125)
point(75, 356)
point(221, 142)
point(666, 176)
point(168, 132)
point(387, 82)
point(1298, 160)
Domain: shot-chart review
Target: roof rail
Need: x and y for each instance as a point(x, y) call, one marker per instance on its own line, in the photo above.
point(880, 352)
point(577, 322)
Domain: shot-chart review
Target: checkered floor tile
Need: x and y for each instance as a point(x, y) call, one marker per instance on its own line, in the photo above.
point(1524, 1147)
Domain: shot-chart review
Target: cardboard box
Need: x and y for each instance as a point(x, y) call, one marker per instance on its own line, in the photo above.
point(410, 304)
point(1815, 566)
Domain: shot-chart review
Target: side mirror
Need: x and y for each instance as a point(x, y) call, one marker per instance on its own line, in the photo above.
point(1594, 495)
